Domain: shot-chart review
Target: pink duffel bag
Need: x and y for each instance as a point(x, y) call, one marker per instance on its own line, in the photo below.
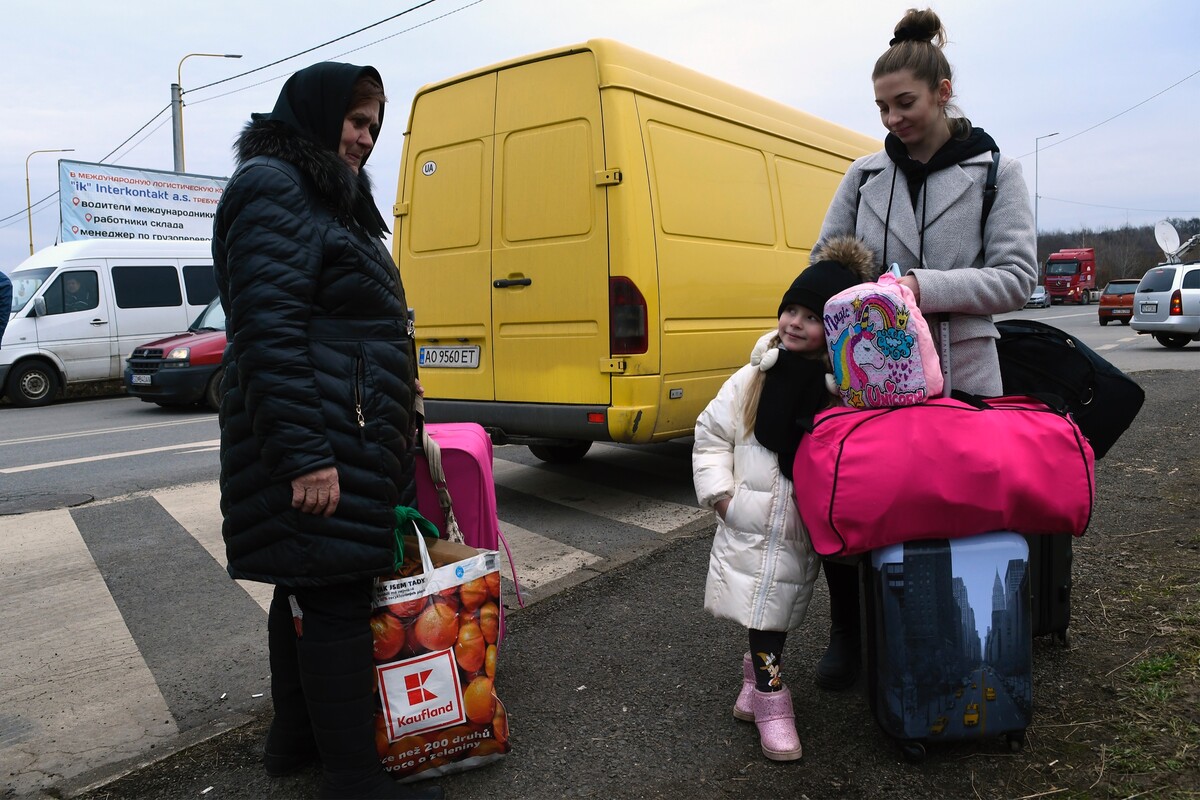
point(943, 469)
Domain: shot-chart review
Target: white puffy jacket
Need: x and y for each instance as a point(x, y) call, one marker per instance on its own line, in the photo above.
point(762, 566)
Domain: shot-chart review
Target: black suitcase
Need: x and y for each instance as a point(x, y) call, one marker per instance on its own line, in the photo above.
point(1050, 560)
point(948, 640)
point(1036, 358)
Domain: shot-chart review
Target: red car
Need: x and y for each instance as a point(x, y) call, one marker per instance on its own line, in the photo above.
point(182, 369)
point(1116, 301)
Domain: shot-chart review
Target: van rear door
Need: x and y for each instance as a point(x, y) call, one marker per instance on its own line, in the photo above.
point(445, 235)
point(550, 326)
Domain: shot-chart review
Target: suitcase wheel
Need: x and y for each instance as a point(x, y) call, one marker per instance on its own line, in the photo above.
point(1016, 741)
point(913, 752)
point(1063, 637)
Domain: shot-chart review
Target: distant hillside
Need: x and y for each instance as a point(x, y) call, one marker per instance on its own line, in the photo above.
point(1120, 252)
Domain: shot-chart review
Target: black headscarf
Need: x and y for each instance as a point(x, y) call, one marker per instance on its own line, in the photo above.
point(314, 102)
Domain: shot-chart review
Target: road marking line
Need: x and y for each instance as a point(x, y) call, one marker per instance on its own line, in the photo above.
point(198, 509)
point(539, 559)
point(660, 516)
point(147, 426)
point(73, 675)
point(88, 459)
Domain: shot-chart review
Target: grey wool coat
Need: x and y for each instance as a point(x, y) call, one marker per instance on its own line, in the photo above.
point(961, 271)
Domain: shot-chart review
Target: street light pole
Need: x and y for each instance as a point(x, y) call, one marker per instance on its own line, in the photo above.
point(28, 199)
point(177, 104)
point(1037, 141)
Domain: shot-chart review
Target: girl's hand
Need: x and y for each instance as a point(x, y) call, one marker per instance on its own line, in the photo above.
point(721, 506)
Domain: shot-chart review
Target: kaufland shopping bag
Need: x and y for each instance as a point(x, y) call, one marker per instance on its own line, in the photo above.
point(436, 628)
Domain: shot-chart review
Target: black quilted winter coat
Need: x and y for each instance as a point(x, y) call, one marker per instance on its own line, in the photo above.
point(318, 369)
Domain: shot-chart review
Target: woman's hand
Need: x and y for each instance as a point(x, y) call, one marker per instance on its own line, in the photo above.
point(317, 492)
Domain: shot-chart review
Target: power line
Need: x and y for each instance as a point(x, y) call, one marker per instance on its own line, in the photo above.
point(339, 55)
point(1066, 139)
point(316, 47)
point(1123, 208)
point(421, 5)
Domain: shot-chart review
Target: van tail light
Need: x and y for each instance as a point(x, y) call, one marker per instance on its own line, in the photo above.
point(626, 318)
point(1176, 304)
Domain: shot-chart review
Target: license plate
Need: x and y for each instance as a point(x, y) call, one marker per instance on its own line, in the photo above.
point(1149, 308)
point(140, 379)
point(465, 357)
point(1117, 312)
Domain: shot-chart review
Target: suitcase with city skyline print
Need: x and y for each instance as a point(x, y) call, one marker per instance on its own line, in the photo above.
point(948, 640)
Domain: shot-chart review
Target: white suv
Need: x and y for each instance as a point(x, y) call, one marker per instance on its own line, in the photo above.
point(1167, 304)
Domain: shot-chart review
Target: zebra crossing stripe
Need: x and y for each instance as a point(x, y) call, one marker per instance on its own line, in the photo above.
point(71, 674)
point(539, 559)
point(198, 509)
point(629, 508)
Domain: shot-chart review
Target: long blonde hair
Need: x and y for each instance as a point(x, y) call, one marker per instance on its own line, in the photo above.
point(759, 377)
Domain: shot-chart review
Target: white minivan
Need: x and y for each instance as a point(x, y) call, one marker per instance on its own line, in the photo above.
point(79, 308)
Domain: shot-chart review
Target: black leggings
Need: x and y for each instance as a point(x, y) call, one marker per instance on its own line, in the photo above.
point(766, 653)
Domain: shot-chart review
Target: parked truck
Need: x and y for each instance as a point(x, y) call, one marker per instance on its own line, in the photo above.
point(1071, 276)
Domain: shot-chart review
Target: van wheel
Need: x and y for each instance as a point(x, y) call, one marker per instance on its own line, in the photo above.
point(560, 453)
point(212, 394)
point(1172, 341)
point(32, 383)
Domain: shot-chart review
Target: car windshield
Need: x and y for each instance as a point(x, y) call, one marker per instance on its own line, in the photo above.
point(25, 285)
point(1158, 279)
point(1062, 267)
point(1128, 287)
point(211, 318)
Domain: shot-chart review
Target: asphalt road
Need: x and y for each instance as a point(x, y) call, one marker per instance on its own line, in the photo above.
point(621, 687)
point(150, 638)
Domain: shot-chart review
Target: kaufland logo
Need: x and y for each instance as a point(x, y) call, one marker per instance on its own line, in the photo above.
point(421, 694)
point(414, 683)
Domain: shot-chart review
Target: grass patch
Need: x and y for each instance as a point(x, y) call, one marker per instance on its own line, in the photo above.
point(1153, 670)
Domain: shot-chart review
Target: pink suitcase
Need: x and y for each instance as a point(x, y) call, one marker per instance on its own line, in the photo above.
point(463, 451)
point(466, 452)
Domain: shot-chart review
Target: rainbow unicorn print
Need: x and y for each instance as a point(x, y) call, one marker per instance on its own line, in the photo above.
point(882, 351)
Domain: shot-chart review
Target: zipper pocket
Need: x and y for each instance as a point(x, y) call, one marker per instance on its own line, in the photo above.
point(359, 369)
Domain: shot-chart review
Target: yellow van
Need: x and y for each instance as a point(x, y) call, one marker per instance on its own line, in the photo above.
point(592, 239)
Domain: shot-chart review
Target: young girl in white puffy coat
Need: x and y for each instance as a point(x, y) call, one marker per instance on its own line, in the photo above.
point(762, 566)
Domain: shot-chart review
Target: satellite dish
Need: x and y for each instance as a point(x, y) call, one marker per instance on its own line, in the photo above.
point(1167, 237)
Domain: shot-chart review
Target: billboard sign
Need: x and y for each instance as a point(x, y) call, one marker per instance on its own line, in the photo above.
point(102, 201)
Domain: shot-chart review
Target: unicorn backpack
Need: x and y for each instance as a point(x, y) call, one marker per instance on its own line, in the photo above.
point(882, 352)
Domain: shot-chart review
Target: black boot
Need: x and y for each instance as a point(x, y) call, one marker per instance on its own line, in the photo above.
point(839, 667)
point(337, 670)
point(290, 745)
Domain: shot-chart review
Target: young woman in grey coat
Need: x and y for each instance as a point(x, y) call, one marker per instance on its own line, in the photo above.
point(919, 204)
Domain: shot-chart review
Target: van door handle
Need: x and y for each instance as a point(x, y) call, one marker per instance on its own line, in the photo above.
point(503, 283)
point(96, 322)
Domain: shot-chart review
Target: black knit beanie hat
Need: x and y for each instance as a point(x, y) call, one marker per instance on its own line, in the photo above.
point(814, 286)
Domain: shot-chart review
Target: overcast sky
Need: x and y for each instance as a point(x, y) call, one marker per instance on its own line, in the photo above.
point(87, 75)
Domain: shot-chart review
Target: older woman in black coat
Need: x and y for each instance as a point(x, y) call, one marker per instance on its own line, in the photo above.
point(317, 412)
